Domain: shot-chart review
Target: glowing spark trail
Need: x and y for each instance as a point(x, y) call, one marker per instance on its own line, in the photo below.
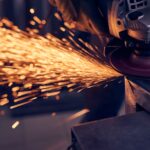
point(33, 66)
point(78, 114)
point(15, 125)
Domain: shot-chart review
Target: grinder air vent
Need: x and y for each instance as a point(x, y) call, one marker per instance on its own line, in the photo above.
point(137, 4)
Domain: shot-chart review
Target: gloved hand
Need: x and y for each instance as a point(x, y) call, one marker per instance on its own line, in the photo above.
point(84, 15)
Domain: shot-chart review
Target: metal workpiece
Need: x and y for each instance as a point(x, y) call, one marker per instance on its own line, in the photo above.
point(130, 132)
point(137, 92)
point(130, 99)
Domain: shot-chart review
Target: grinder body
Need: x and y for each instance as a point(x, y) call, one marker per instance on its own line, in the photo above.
point(128, 21)
point(129, 51)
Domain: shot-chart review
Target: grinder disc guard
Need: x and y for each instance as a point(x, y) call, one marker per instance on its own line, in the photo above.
point(128, 62)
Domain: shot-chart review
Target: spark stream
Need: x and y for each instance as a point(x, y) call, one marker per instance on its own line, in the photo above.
point(33, 66)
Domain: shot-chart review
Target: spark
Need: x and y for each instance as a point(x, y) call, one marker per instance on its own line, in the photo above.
point(33, 23)
point(15, 89)
point(21, 104)
point(38, 20)
point(2, 112)
point(34, 66)
point(53, 114)
point(78, 114)
point(3, 101)
point(106, 86)
point(62, 29)
point(57, 16)
point(43, 22)
point(120, 81)
point(57, 98)
point(70, 25)
point(15, 125)
point(32, 10)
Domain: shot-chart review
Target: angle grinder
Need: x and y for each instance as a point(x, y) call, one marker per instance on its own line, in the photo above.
point(129, 23)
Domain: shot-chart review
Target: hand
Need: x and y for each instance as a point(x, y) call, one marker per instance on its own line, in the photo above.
point(83, 15)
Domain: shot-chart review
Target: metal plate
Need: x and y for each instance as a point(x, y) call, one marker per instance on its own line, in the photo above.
point(131, 132)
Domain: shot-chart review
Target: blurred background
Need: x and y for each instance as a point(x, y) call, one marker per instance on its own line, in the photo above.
point(46, 124)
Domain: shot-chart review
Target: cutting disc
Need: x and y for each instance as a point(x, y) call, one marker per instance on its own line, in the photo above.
point(128, 62)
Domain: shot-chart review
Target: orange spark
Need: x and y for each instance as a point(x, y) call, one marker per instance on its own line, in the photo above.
point(33, 23)
point(22, 104)
point(62, 29)
point(2, 112)
point(38, 20)
point(57, 98)
point(78, 114)
point(42, 66)
point(15, 125)
point(3, 101)
point(53, 114)
point(57, 16)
